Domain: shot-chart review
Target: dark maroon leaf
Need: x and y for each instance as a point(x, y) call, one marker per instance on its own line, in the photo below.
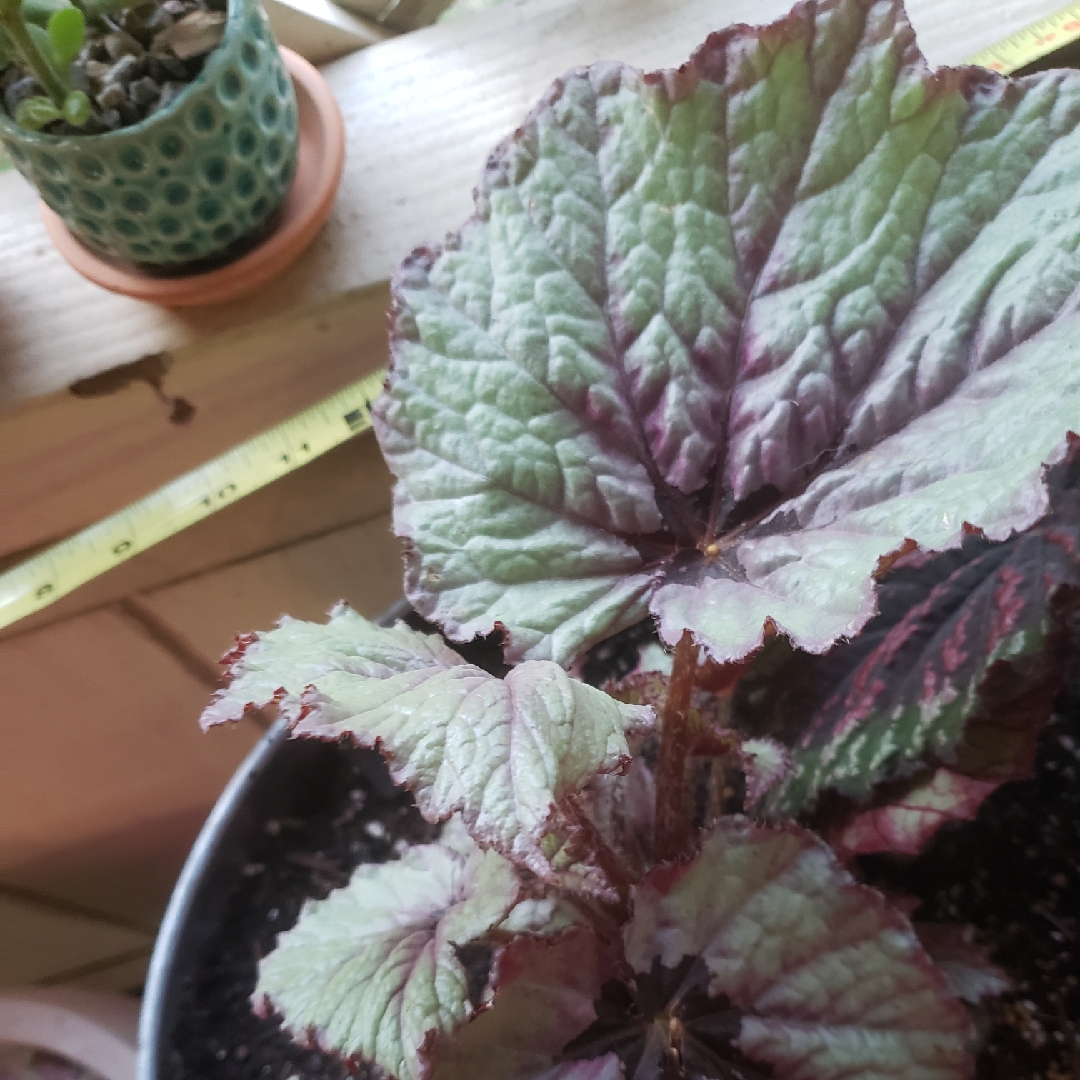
point(954, 676)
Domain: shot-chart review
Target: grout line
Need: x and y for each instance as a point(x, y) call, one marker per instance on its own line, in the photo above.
point(138, 611)
point(96, 966)
point(167, 637)
point(70, 907)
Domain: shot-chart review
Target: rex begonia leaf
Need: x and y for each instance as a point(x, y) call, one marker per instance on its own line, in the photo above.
point(969, 975)
point(502, 752)
point(544, 991)
point(265, 669)
point(904, 823)
point(826, 979)
point(372, 971)
point(948, 685)
point(606, 1068)
point(717, 340)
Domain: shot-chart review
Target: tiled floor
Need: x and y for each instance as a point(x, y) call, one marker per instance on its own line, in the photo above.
point(43, 944)
point(105, 777)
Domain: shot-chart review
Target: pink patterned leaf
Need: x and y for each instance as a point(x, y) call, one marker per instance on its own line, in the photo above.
point(821, 976)
point(903, 826)
point(942, 696)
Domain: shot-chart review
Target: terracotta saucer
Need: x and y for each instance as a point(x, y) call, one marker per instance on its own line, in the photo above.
point(318, 173)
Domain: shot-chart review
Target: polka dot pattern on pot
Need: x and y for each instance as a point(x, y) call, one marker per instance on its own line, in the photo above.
point(190, 180)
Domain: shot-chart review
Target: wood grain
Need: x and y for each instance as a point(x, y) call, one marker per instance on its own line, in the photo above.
point(66, 462)
point(100, 731)
point(360, 564)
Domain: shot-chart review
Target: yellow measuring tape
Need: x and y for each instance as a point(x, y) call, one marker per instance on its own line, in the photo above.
point(1032, 43)
point(253, 464)
point(54, 572)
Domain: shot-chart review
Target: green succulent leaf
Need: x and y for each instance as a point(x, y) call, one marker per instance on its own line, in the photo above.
point(502, 752)
point(39, 12)
point(35, 112)
point(373, 971)
point(76, 108)
point(827, 980)
point(718, 340)
point(43, 42)
point(66, 29)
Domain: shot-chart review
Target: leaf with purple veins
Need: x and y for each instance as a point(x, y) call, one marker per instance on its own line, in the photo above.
point(718, 340)
point(373, 972)
point(504, 753)
point(825, 979)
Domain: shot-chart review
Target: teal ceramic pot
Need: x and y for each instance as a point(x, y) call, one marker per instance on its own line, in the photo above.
point(192, 180)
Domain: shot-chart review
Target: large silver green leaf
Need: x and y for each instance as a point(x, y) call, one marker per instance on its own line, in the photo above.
point(717, 340)
point(502, 752)
point(373, 972)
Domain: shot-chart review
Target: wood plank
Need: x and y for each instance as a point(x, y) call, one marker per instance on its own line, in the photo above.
point(124, 974)
point(422, 111)
point(67, 462)
point(126, 873)
point(346, 486)
point(360, 564)
point(36, 943)
point(100, 732)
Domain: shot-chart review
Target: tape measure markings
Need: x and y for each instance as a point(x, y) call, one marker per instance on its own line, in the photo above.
point(276, 452)
point(1032, 43)
point(192, 497)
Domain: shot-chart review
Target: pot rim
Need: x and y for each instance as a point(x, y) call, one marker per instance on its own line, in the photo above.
point(164, 960)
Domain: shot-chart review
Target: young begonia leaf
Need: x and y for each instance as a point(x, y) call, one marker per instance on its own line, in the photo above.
point(827, 979)
point(502, 752)
point(969, 975)
point(948, 685)
point(765, 763)
point(623, 808)
point(543, 997)
point(904, 823)
point(373, 971)
point(541, 915)
point(606, 1068)
point(719, 339)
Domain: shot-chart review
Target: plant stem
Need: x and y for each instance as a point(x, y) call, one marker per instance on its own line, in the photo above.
point(673, 818)
point(12, 21)
point(606, 859)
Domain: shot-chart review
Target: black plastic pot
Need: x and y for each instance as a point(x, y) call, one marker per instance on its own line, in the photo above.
point(280, 779)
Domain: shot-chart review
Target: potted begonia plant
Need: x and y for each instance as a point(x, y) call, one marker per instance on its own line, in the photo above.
point(740, 417)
